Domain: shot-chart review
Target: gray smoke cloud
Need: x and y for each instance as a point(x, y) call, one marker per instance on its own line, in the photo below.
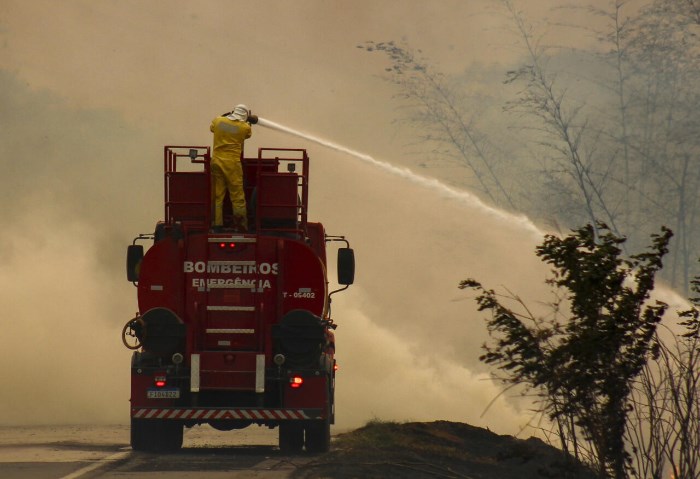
point(86, 109)
point(74, 188)
point(404, 331)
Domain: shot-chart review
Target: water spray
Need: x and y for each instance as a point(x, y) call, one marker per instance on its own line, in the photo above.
point(403, 172)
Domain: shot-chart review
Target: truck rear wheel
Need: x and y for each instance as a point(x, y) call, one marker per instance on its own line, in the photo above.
point(318, 436)
point(318, 432)
point(291, 437)
point(156, 436)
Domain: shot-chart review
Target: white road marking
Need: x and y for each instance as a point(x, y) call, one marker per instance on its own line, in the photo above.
point(97, 464)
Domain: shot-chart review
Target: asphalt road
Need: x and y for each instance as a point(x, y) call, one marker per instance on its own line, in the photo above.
point(85, 452)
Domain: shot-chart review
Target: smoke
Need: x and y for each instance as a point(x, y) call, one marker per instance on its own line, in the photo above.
point(407, 342)
point(74, 190)
point(61, 360)
point(86, 113)
point(388, 378)
point(402, 172)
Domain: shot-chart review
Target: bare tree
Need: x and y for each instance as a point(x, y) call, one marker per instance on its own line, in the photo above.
point(633, 163)
point(664, 58)
point(664, 426)
point(565, 128)
point(440, 114)
point(616, 141)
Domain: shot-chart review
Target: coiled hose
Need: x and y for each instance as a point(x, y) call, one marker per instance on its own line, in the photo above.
point(135, 328)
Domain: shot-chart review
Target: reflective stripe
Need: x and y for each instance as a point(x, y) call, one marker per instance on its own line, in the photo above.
point(230, 331)
point(216, 414)
point(260, 373)
point(178, 413)
point(237, 239)
point(194, 373)
point(198, 413)
point(231, 308)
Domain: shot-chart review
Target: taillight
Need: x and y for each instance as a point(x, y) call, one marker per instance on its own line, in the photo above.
point(224, 245)
point(295, 382)
point(160, 381)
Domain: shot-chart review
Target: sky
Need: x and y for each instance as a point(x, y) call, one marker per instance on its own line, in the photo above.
point(94, 89)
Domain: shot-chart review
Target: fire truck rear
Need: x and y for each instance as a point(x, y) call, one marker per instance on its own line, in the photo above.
point(234, 328)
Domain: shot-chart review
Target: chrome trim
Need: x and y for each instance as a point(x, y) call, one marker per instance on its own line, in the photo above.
point(230, 308)
point(230, 331)
point(260, 373)
point(235, 239)
point(194, 373)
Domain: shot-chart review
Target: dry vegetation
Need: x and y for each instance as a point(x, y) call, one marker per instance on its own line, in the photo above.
point(438, 449)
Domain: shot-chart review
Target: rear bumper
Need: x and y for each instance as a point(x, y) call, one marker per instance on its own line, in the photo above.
point(203, 415)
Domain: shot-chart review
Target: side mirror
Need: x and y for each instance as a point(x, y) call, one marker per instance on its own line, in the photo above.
point(346, 266)
point(134, 255)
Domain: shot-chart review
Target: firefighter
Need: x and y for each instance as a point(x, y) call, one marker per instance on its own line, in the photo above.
point(230, 131)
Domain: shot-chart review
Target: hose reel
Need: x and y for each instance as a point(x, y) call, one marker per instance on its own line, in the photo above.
point(300, 336)
point(158, 330)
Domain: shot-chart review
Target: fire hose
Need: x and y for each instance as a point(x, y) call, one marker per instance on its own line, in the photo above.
point(135, 328)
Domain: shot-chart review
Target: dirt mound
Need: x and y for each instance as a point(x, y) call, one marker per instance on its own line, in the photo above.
point(438, 449)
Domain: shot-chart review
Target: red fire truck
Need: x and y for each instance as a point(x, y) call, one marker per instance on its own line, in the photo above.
point(234, 328)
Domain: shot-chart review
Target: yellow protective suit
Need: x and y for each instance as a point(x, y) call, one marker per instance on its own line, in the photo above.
point(226, 169)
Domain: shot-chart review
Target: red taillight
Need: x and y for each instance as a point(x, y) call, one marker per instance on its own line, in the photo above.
point(295, 382)
point(160, 381)
point(223, 245)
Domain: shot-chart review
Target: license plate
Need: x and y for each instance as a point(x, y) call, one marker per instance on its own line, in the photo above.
point(163, 393)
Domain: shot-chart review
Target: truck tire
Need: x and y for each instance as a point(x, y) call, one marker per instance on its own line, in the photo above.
point(156, 436)
point(318, 436)
point(318, 432)
point(291, 437)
